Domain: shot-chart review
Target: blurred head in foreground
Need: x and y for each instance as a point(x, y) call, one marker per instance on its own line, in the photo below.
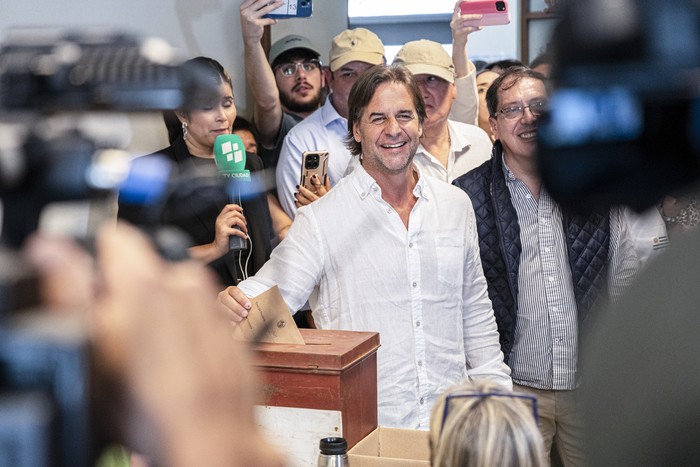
point(483, 424)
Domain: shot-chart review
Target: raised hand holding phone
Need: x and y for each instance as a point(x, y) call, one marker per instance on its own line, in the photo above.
point(493, 12)
point(292, 9)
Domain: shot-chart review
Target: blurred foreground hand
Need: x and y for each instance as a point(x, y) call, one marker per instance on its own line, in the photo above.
point(170, 381)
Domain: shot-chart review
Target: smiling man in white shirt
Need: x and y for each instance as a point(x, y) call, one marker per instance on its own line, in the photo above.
point(393, 251)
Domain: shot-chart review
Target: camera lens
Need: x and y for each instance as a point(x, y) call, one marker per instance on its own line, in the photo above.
point(312, 162)
point(501, 6)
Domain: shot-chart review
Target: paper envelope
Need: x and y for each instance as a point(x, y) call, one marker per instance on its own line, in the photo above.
point(269, 320)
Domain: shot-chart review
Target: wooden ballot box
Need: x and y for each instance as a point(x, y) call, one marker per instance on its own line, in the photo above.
point(335, 372)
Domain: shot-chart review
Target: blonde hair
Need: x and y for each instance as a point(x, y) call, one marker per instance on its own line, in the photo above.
point(484, 431)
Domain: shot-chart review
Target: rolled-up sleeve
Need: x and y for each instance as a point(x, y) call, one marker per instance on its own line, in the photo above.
point(482, 349)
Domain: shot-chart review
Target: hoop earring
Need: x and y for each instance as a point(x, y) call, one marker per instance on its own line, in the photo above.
point(184, 130)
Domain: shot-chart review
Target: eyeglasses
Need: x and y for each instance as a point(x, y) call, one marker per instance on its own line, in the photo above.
point(529, 400)
point(510, 113)
point(290, 69)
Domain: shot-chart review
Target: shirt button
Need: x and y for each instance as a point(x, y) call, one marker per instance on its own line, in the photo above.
point(546, 250)
point(417, 324)
point(528, 196)
point(420, 362)
point(422, 400)
point(410, 245)
point(363, 194)
point(374, 189)
point(388, 211)
point(556, 308)
point(551, 279)
point(414, 284)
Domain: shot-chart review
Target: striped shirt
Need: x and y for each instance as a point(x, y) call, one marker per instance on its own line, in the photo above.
point(545, 352)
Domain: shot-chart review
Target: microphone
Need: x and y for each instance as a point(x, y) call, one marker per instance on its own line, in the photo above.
point(230, 157)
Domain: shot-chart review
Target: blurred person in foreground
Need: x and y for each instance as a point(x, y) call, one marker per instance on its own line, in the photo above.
point(482, 424)
point(547, 269)
point(393, 251)
point(169, 381)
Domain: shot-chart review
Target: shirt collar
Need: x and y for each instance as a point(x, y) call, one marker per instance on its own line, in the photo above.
point(364, 184)
point(330, 115)
point(459, 145)
point(510, 176)
point(460, 141)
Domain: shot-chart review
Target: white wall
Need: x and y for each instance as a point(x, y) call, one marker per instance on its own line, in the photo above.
point(205, 27)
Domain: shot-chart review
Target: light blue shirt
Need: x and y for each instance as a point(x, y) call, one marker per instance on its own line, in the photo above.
point(323, 130)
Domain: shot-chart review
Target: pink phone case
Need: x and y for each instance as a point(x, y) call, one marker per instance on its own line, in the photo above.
point(495, 12)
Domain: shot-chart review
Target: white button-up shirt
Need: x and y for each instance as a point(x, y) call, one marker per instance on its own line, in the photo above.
point(421, 288)
point(470, 147)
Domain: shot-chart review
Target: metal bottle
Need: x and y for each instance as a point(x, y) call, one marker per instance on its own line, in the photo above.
point(334, 453)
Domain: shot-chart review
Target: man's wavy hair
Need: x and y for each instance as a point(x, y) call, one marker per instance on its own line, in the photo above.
point(364, 89)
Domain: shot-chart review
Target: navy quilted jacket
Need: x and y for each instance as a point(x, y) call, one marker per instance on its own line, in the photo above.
point(587, 240)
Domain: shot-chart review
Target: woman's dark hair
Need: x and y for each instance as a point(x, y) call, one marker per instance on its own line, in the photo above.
point(366, 86)
point(204, 76)
point(241, 123)
point(501, 65)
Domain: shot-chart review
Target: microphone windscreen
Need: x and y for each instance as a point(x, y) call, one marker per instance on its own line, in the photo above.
point(230, 157)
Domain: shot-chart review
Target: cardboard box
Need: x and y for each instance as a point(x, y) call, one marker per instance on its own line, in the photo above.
point(335, 371)
point(392, 447)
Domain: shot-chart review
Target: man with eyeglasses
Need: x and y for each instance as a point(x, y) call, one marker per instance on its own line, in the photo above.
point(393, 251)
point(545, 268)
point(353, 51)
point(287, 86)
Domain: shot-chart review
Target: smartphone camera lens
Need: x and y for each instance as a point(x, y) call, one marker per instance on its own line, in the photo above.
point(501, 6)
point(304, 4)
point(312, 162)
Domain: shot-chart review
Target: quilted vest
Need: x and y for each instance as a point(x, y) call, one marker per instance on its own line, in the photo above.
point(587, 241)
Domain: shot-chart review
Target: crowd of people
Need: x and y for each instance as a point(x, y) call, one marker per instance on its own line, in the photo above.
point(432, 228)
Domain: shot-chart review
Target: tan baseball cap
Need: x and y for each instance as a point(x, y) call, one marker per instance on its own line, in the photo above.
point(358, 44)
point(426, 57)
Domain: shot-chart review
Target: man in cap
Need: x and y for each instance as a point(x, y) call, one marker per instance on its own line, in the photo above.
point(287, 86)
point(353, 51)
point(448, 148)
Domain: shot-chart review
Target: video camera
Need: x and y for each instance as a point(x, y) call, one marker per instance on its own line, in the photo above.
point(624, 120)
point(49, 81)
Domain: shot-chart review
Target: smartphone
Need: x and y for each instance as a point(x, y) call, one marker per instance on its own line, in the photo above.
point(494, 12)
point(292, 9)
point(313, 163)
